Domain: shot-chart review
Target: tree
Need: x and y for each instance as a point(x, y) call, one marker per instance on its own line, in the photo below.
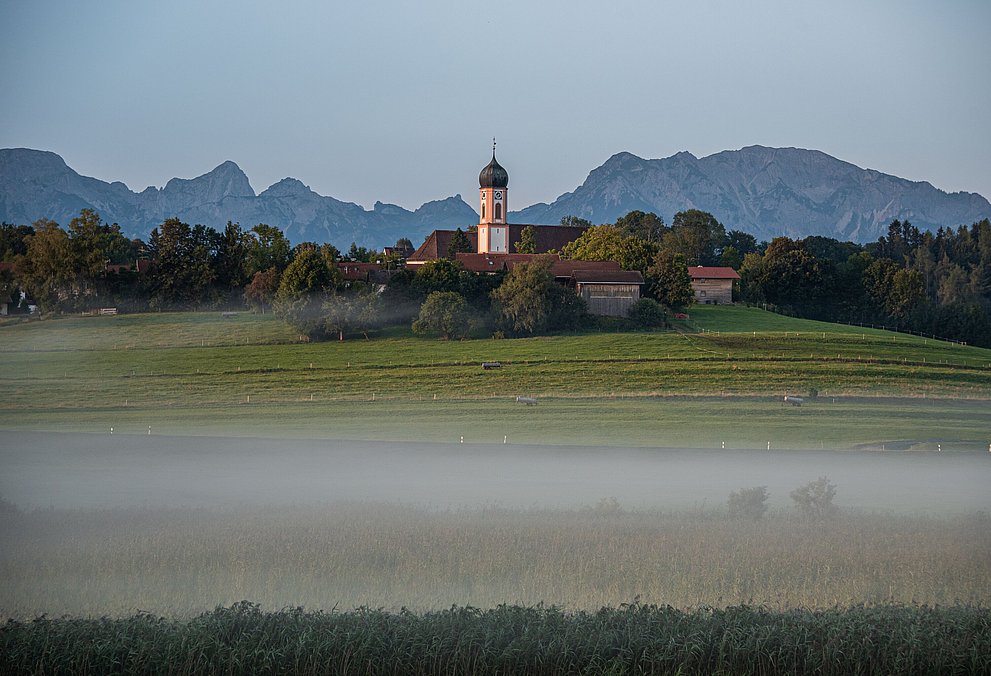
point(404, 246)
point(267, 247)
point(647, 313)
point(575, 221)
point(353, 310)
point(182, 272)
point(95, 245)
point(696, 235)
point(438, 275)
point(302, 289)
point(459, 244)
point(230, 259)
point(743, 242)
point(529, 301)
point(670, 281)
point(647, 226)
point(814, 500)
point(750, 503)
point(896, 290)
point(360, 253)
point(786, 275)
point(445, 313)
point(13, 240)
point(528, 241)
point(49, 269)
point(607, 243)
point(259, 294)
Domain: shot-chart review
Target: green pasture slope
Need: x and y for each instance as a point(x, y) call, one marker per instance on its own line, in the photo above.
point(719, 379)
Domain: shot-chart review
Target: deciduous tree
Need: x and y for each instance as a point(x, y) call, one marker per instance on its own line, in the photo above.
point(445, 313)
point(670, 281)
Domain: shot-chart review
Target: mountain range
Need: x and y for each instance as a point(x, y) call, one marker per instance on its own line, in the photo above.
point(765, 191)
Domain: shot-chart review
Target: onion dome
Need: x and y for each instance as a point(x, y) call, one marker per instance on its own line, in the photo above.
point(493, 175)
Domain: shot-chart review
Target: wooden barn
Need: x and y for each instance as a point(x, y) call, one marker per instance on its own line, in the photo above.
point(712, 285)
point(608, 292)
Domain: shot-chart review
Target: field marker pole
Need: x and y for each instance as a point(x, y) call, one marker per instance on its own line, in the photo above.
point(149, 430)
point(505, 438)
point(769, 445)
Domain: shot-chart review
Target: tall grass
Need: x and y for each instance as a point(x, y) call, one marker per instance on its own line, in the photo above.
point(182, 561)
point(634, 639)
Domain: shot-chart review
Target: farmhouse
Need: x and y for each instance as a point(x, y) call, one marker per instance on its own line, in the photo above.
point(606, 287)
point(712, 285)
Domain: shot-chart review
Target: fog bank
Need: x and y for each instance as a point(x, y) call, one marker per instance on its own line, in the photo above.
point(87, 471)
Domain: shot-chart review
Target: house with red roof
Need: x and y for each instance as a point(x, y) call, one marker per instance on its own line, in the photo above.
point(712, 285)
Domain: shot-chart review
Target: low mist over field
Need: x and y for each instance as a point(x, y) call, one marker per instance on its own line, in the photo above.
point(70, 471)
point(177, 525)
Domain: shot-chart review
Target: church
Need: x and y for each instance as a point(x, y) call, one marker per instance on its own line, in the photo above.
point(605, 286)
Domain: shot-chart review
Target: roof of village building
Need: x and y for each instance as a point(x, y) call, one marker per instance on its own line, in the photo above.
point(706, 272)
point(353, 270)
point(547, 238)
point(490, 262)
point(566, 268)
point(437, 244)
point(607, 276)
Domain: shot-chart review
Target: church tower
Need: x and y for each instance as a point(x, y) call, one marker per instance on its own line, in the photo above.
point(493, 233)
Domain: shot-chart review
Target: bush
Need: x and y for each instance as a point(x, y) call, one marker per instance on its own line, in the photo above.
point(443, 312)
point(750, 503)
point(815, 499)
point(647, 313)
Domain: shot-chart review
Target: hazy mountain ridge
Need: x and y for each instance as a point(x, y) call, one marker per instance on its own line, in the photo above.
point(766, 191)
point(38, 184)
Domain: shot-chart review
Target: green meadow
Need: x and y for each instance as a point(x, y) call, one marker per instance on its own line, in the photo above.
point(719, 379)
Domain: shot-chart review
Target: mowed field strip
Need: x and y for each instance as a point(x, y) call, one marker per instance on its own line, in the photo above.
point(204, 373)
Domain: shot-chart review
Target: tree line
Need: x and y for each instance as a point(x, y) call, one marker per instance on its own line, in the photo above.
point(933, 282)
point(937, 283)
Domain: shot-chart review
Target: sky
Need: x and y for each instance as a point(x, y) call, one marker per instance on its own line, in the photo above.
point(398, 101)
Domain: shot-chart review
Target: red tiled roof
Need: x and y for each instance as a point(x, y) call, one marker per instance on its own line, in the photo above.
point(490, 262)
point(566, 268)
point(357, 271)
point(437, 244)
point(703, 272)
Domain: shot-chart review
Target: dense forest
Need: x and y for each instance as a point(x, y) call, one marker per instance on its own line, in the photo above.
point(937, 283)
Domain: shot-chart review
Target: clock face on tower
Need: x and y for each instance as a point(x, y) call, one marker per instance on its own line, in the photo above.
point(483, 196)
point(498, 194)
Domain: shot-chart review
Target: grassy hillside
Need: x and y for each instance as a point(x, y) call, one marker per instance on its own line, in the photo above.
point(204, 372)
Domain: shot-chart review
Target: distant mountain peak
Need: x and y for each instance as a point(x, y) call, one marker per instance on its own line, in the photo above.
point(287, 187)
point(224, 180)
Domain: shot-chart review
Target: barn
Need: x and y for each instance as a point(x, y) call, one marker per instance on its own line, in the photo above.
point(712, 285)
point(607, 292)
